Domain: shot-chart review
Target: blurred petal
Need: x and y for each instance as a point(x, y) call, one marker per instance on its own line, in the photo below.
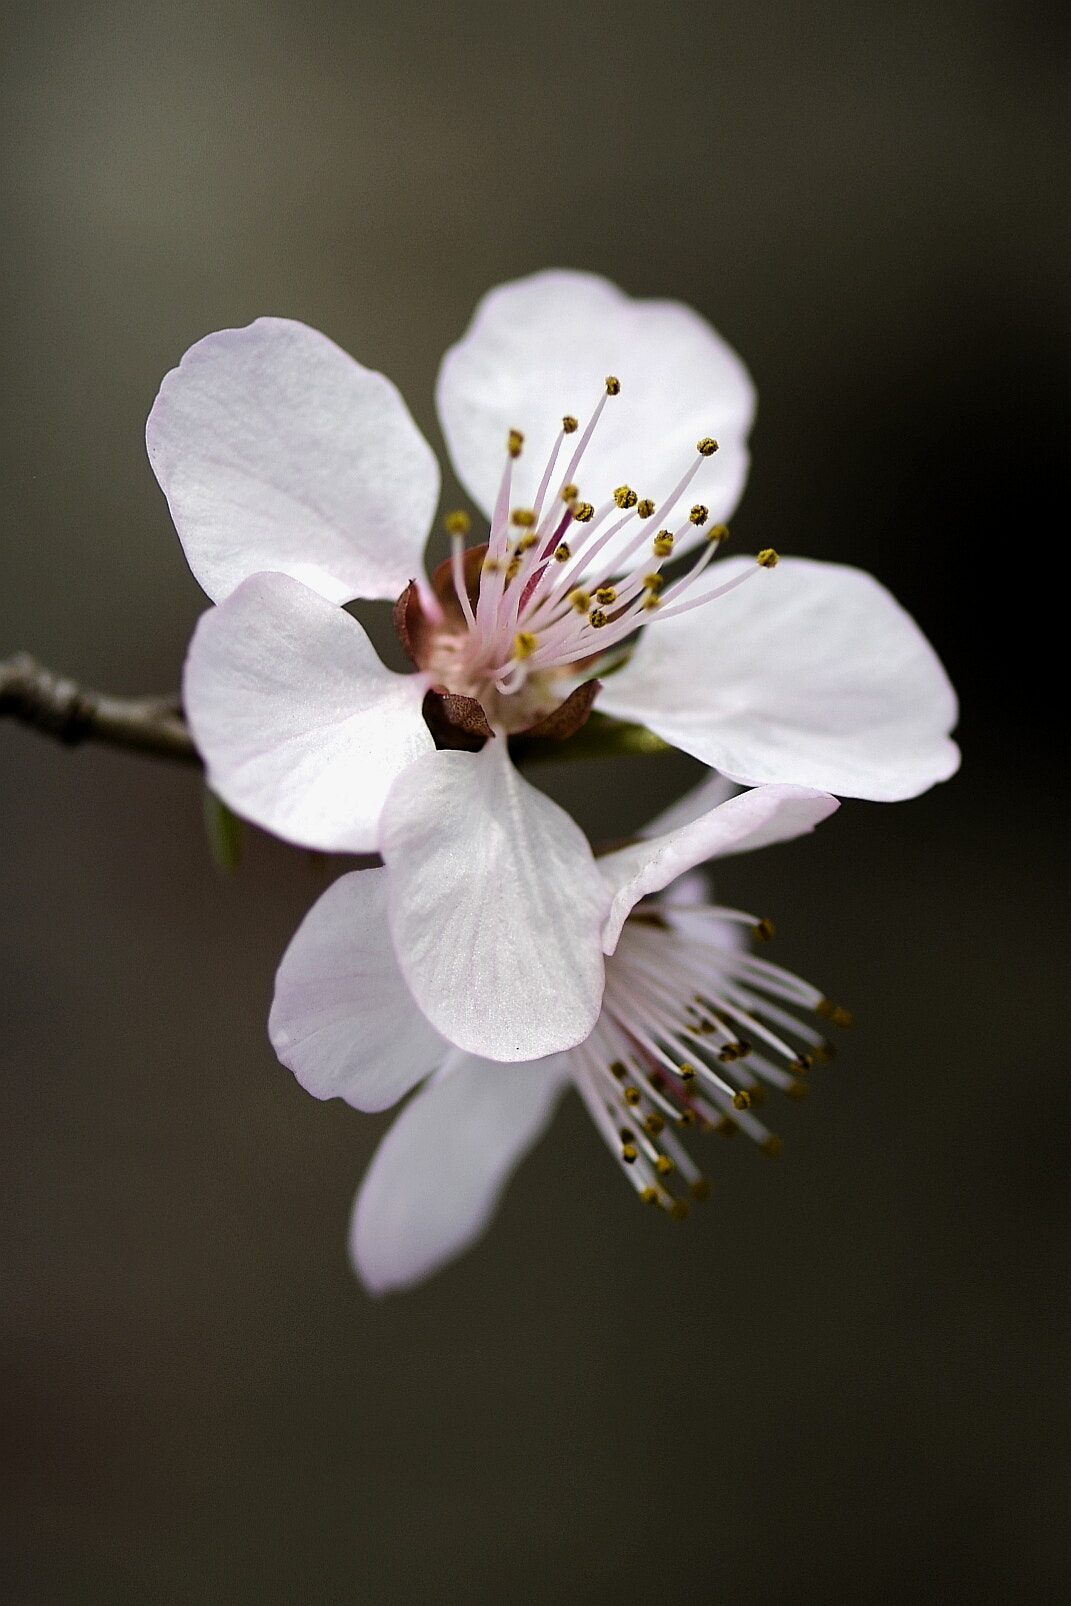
point(343, 1019)
point(301, 727)
point(436, 1178)
point(810, 673)
point(710, 792)
point(276, 450)
point(496, 906)
point(751, 820)
point(542, 347)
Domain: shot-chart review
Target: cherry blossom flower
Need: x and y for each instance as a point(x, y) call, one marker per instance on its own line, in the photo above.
point(298, 480)
point(693, 1029)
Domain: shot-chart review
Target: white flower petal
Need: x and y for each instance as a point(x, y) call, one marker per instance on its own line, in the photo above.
point(543, 346)
point(496, 906)
point(436, 1178)
point(276, 450)
point(301, 727)
point(810, 673)
point(343, 1019)
point(751, 820)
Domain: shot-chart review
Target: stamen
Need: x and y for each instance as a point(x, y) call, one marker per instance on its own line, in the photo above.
point(767, 558)
point(457, 522)
point(514, 442)
point(569, 424)
point(707, 446)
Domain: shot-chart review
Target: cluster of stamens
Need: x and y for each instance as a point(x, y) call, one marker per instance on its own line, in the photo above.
point(541, 604)
point(691, 1035)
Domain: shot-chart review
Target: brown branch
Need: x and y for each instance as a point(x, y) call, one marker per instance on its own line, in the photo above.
point(48, 702)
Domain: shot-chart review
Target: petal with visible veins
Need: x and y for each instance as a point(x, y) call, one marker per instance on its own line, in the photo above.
point(301, 727)
point(277, 451)
point(496, 905)
point(811, 673)
point(543, 346)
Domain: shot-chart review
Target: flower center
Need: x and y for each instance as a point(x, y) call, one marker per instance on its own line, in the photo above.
point(692, 1032)
point(562, 585)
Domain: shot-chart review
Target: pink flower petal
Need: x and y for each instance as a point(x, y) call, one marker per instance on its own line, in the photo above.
point(277, 451)
point(496, 906)
point(750, 820)
point(301, 727)
point(437, 1176)
point(541, 347)
point(810, 673)
point(343, 1019)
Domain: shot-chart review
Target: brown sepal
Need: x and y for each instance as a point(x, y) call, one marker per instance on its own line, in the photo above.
point(455, 721)
point(411, 623)
point(442, 581)
point(569, 716)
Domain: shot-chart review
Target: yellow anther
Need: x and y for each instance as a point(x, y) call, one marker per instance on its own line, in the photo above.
point(513, 568)
point(653, 1124)
point(562, 553)
point(527, 542)
point(523, 516)
point(718, 532)
point(729, 1052)
point(625, 496)
point(606, 595)
point(649, 1195)
point(758, 1094)
point(618, 1068)
point(707, 446)
point(596, 619)
point(654, 581)
point(832, 1012)
point(629, 1152)
point(632, 1095)
point(802, 1063)
point(762, 930)
point(525, 643)
point(699, 1188)
point(489, 565)
point(741, 1100)
point(650, 601)
point(767, 558)
point(771, 1145)
point(645, 507)
point(514, 442)
point(699, 514)
point(662, 544)
point(583, 512)
point(613, 386)
point(726, 1127)
point(678, 1210)
point(797, 1090)
point(580, 600)
point(457, 522)
point(824, 1052)
point(664, 1165)
point(569, 424)
point(687, 1071)
point(686, 1118)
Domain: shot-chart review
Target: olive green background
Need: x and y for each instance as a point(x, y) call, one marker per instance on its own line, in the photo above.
point(845, 1377)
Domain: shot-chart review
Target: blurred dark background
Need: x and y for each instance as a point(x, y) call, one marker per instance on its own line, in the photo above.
point(846, 1378)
